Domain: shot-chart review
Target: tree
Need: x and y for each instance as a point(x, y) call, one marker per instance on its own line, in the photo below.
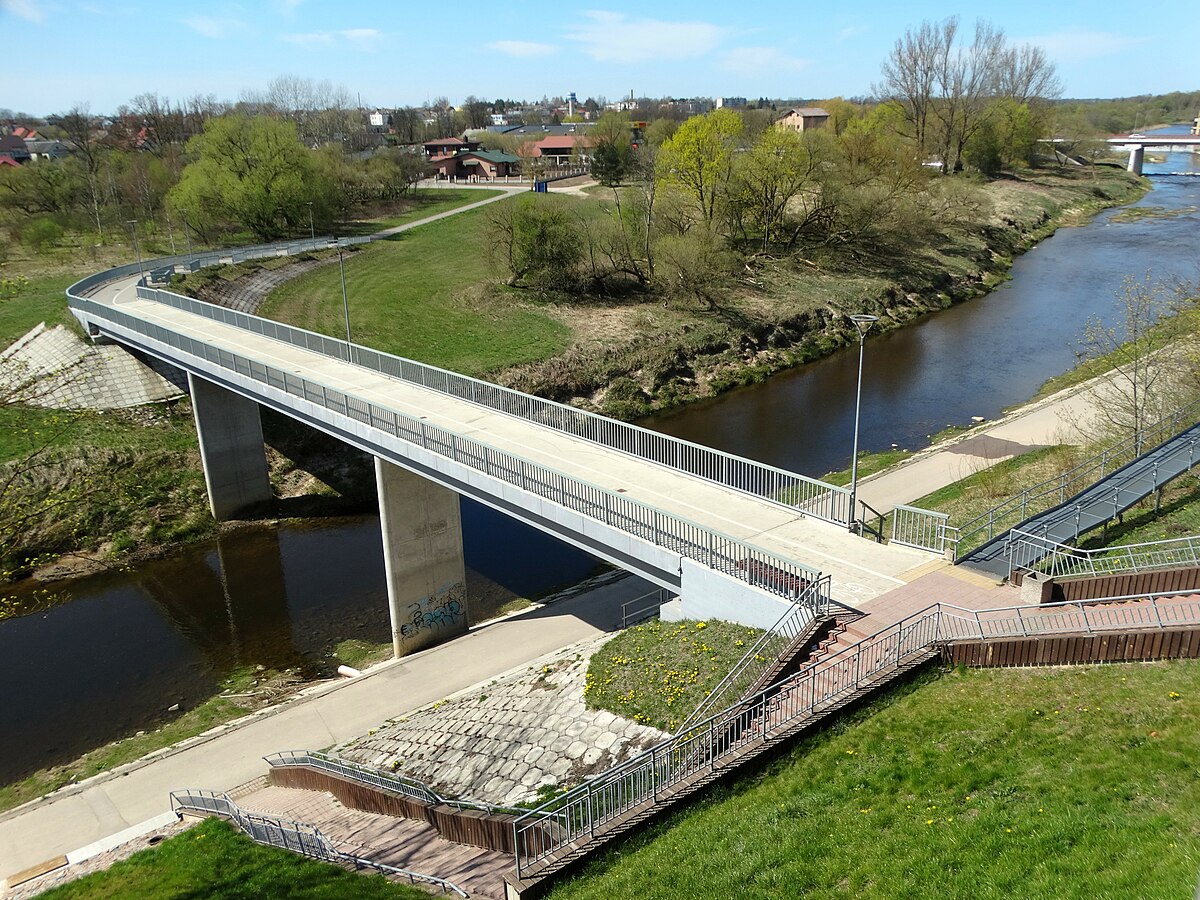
point(478, 113)
point(698, 158)
point(537, 239)
point(250, 170)
point(768, 178)
point(612, 155)
point(1145, 351)
point(79, 134)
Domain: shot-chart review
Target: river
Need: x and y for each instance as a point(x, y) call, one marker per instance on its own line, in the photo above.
point(130, 645)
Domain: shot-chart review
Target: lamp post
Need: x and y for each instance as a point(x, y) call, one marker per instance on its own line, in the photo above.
point(862, 322)
point(141, 272)
point(345, 302)
point(312, 231)
point(186, 232)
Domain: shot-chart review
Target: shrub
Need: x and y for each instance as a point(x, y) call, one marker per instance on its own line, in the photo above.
point(41, 235)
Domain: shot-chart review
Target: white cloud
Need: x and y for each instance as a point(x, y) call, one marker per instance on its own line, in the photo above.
point(361, 35)
point(523, 48)
point(309, 39)
point(214, 28)
point(1077, 46)
point(755, 61)
point(287, 7)
point(851, 31)
point(613, 37)
point(23, 9)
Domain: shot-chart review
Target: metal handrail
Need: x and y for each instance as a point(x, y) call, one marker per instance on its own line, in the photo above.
point(380, 780)
point(1091, 470)
point(924, 529)
point(651, 777)
point(1062, 561)
point(705, 545)
point(750, 668)
point(299, 837)
point(808, 496)
point(630, 617)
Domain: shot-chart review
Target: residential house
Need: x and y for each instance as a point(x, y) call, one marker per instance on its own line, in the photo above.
point(41, 150)
point(14, 148)
point(448, 146)
point(559, 150)
point(802, 118)
point(482, 165)
point(722, 102)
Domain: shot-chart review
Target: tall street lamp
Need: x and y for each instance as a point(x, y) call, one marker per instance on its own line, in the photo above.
point(141, 272)
point(186, 231)
point(312, 232)
point(862, 322)
point(345, 302)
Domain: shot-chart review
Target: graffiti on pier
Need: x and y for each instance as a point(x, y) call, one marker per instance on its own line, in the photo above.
point(432, 614)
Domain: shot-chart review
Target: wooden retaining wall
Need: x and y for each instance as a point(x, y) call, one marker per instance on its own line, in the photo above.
point(1061, 650)
point(463, 826)
point(1159, 581)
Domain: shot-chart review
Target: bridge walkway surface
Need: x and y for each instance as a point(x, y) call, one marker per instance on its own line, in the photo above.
point(1090, 508)
point(859, 569)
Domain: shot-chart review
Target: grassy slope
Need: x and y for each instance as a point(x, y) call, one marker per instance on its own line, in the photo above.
point(658, 672)
point(213, 860)
point(421, 296)
point(983, 783)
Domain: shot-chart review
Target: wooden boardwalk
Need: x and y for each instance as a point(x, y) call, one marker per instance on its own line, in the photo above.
point(403, 843)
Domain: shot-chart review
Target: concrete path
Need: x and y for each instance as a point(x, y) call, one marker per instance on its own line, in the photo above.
point(329, 714)
point(1058, 419)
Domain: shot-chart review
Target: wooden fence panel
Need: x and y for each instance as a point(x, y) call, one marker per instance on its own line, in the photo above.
point(1134, 646)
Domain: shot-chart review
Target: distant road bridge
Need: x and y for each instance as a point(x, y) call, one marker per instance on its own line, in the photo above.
point(1137, 144)
point(736, 539)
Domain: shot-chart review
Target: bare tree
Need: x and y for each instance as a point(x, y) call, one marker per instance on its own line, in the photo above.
point(76, 124)
point(909, 74)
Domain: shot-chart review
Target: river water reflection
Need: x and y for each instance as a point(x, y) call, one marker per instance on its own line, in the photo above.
point(131, 644)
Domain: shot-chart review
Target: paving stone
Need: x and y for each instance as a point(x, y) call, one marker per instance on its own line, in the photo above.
point(576, 750)
point(592, 755)
point(604, 740)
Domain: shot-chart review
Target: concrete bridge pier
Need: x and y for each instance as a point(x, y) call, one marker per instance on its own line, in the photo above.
point(1137, 156)
point(231, 448)
point(423, 558)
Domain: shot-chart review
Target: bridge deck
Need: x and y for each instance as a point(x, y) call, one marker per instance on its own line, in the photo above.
point(859, 568)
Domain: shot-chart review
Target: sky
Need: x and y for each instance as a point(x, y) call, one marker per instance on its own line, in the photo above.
point(405, 52)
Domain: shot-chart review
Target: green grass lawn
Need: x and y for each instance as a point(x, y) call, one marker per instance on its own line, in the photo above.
point(42, 300)
point(215, 861)
point(1039, 783)
point(658, 672)
point(425, 296)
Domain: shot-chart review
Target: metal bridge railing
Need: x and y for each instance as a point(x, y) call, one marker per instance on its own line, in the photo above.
point(307, 840)
point(923, 528)
point(706, 546)
point(643, 608)
point(1041, 497)
point(662, 772)
point(1063, 561)
point(762, 653)
point(379, 780)
point(806, 495)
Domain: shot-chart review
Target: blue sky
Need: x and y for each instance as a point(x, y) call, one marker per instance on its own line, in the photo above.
point(402, 52)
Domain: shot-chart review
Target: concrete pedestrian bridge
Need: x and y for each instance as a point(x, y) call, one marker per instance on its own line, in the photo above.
point(734, 538)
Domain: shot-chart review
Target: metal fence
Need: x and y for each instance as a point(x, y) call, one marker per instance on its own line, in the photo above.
point(1063, 561)
point(808, 496)
point(707, 546)
point(379, 780)
point(1055, 491)
point(922, 528)
point(307, 840)
point(643, 608)
point(750, 668)
point(665, 771)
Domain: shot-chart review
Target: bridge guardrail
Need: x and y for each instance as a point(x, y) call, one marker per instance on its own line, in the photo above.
point(923, 528)
point(1063, 561)
point(712, 548)
point(808, 496)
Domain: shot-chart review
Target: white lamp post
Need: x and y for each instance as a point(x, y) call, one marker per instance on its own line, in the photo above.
point(345, 301)
point(141, 272)
point(862, 322)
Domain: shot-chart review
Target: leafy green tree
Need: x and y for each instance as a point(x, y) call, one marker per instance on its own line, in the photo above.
point(611, 161)
point(779, 166)
point(698, 158)
point(537, 239)
point(252, 170)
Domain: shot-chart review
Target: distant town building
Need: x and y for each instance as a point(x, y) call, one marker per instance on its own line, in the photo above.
point(1196, 126)
point(13, 147)
point(380, 121)
point(39, 150)
point(802, 118)
point(449, 146)
point(731, 101)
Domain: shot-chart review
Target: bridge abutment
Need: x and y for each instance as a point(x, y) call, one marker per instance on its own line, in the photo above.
point(1137, 156)
point(231, 448)
point(423, 558)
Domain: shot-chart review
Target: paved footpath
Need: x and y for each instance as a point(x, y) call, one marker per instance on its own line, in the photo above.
point(107, 804)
